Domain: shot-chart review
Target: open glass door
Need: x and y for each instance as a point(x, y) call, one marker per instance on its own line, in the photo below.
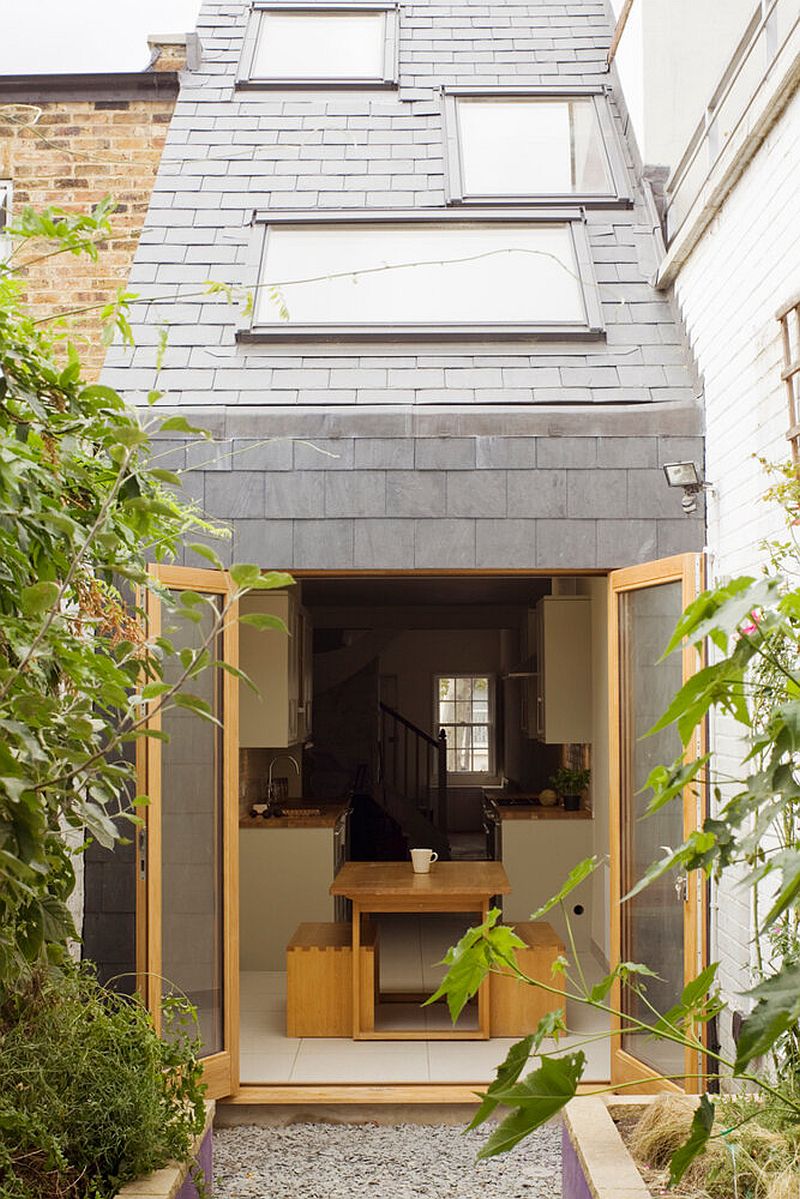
point(187, 890)
point(663, 926)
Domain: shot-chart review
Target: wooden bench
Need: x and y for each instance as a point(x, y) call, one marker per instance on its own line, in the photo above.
point(319, 980)
point(516, 1009)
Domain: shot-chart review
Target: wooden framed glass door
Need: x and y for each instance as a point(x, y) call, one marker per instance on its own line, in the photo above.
point(187, 859)
point(664, 925)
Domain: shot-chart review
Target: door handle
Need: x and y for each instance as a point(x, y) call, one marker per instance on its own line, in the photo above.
point(682, 887)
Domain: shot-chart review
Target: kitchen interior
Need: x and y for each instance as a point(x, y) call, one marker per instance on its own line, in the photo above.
point(342, 759)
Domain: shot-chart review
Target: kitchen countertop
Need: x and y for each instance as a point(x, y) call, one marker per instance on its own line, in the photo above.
point(530, 811)
point(537, 812)
point(328, 814)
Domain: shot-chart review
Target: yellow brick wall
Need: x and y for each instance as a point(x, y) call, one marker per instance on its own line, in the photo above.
point(72, 153)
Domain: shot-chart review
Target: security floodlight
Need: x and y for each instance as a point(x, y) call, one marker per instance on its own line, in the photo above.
point(687, 476)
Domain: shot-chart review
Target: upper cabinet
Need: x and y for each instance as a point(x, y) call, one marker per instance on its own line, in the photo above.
point(559, 707)
point(280, 666)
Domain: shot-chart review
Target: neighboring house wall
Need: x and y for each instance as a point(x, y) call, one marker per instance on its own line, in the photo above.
point(669, 58)
point(70, 141)
point(476, 454)
point(746, 263)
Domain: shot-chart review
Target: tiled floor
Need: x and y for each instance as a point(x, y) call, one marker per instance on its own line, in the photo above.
point(409, 948)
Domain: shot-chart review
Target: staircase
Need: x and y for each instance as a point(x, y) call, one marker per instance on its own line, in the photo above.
point(412, 780)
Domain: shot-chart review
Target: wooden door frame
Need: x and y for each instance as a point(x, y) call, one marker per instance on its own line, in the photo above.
point(221, 1070)
point(688, 570)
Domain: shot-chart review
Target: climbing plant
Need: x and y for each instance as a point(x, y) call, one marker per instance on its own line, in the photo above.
point(84, 506)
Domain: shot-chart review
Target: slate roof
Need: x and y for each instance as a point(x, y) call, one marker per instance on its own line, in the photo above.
point(230, 151)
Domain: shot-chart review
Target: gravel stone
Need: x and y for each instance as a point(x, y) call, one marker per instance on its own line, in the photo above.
point(377, 1161)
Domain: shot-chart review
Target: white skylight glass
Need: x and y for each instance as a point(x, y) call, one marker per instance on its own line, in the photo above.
point(531, 146)
point(418, 274)
point(320, 45)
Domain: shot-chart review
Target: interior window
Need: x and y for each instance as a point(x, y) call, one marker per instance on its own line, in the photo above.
point(408, 275)
point(464, 709)
point(309, 45)
point(531, 146)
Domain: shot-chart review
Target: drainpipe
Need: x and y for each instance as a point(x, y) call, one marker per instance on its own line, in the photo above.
point(619, 29)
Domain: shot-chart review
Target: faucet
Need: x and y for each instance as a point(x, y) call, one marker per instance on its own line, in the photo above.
point(270, 784)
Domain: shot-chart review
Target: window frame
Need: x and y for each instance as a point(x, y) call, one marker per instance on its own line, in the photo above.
point(388, 78)
point(455, 192)
point(790, 372)
point(467, 778)
point(591, 328)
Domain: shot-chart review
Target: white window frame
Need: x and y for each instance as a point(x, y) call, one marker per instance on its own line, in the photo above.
point(388, 78)
point(455, 190)
point(591, 327)
point(469, 778)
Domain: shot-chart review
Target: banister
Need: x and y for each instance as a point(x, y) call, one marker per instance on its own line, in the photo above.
point(412, 728)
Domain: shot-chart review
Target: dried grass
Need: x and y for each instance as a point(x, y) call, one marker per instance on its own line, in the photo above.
point(750, 1161)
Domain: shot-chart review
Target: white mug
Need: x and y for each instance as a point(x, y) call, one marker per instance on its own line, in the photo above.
point(422, 860)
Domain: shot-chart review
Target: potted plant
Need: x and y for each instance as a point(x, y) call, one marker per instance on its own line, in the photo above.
point(570, 785)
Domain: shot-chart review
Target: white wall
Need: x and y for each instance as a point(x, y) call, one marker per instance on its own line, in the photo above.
point(745, 265)
point(669, 61)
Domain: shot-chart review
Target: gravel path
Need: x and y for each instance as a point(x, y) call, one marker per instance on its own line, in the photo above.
point(371, 1161)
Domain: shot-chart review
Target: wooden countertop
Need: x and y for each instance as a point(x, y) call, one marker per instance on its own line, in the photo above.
point(359, 880)
point(520, 812)
point(327, 817)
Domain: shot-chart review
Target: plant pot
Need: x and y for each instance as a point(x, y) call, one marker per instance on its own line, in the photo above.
point(595, 1161)
point(572, 803)
point(175, 1180)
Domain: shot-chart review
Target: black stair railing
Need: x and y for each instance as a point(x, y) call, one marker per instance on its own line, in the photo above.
point(415, 765)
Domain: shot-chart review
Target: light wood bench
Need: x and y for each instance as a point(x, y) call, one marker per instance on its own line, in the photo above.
point(319, 980)
point(516, 1009)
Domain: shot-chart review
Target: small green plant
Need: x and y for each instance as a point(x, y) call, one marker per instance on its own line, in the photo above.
point(571, 782)
point(90, 1096)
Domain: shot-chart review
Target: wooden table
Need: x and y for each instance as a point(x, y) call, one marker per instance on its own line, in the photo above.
point(393, 887)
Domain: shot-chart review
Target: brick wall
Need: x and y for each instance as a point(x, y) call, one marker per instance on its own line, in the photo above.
point(71, 151)
point(746, 264)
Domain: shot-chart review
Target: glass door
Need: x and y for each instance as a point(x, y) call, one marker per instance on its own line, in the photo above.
point(187, 926)
point(663, 925)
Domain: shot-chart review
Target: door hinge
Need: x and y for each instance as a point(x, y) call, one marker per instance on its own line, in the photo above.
point(141, 852)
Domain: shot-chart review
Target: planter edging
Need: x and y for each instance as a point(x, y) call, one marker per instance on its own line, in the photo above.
point(596, 1163)
point(173, 1181)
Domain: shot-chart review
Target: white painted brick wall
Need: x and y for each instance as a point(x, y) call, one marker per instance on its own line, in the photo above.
point(745, 266)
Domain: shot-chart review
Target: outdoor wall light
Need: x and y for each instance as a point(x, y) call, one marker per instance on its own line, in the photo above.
point(687, 476)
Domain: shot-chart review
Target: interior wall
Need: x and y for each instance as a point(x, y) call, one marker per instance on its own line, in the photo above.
point(597, 589)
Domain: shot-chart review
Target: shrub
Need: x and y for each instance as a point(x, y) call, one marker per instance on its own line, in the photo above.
point(90, 1096)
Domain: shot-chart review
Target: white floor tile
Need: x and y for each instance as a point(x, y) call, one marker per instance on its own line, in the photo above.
point(332, 1061)
point(267, 1067)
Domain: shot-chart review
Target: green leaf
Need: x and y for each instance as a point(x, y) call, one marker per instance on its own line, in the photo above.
point(263, 620)
point(179, 424)
point(205, 551)
point(537, 1098)
point(507, 1073)
point(574, 879)
point(702, 1123)
point(272, 580)
point(468, 962)
point(667, 783)
point(38, 598)
point(623, 971)
point(245, 574)
point(776, 1011)
point(164, 476)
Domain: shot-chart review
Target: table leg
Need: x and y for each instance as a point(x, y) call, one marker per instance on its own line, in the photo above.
point(484, 991)
point(356, 971)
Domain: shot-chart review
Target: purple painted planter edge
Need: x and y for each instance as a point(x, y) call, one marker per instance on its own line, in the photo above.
point(573, 1179)
point(205, 1160)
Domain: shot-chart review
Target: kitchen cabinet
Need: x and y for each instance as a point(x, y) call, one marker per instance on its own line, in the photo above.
point(285, 877)
point(537, 856)
point(281, 668)
point(558, 707)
